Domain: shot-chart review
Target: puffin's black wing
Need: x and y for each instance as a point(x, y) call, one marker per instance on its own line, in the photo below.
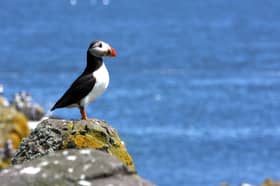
point(78, 90)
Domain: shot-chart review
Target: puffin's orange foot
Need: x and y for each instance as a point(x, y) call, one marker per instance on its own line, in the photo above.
point(83, 113)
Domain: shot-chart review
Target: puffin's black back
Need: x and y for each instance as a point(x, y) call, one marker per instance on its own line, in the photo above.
point(81, 87)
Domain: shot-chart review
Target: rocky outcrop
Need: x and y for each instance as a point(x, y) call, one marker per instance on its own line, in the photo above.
point(85, 167)
point(13, 128)
point(270, 182)
point(53, 134)
point(4, 102)
point(23, 103)
point(267, 182)
point(14, 125)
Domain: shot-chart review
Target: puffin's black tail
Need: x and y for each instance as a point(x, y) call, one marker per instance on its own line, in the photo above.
point(57, 105)
point(64, 101)
point(53, 108)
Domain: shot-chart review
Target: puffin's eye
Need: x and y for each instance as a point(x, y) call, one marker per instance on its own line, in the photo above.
point(100, 45)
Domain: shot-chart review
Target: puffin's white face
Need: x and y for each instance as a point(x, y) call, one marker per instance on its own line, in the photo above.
point(100, 48)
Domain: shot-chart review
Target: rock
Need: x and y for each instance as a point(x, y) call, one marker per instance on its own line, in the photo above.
point(6, 153)
point(23, 103)
point(85, 167)
point(54, 134)
point(270, 182)
point(267, 182)
point(13, 128)
point(13, 125)
point(3, 100)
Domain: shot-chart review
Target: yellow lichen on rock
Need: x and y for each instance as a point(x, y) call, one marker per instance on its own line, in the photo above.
point(5, 163)
point(270, 182)
point(55, 134)
point(123, 156)
point(84, 141)
point(13, 126)
point(97, 134)
point(1, 101)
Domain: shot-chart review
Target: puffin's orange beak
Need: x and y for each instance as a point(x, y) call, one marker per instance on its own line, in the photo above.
point(113, 52)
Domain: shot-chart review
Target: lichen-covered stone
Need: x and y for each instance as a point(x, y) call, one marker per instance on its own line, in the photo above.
point(3, 101)
point(53, 134)
point(267, 182)
point(72, 167)
point(270, 182)
point(13, 128)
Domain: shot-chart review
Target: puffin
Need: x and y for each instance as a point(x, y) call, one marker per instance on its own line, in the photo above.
point(93, 81)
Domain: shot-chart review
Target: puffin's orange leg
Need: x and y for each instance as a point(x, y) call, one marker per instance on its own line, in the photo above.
point(83, 113)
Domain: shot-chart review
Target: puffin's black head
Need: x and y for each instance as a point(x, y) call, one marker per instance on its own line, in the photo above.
point(100, 49)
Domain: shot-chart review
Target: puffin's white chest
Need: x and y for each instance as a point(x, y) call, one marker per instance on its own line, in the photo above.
point(102, 82)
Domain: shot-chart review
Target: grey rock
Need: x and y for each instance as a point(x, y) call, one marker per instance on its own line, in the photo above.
point(42, 140)
point(85, 167)
point(56, 134)
point(23, 103)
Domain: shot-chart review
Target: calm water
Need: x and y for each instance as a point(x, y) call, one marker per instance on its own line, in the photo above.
point(194, 91)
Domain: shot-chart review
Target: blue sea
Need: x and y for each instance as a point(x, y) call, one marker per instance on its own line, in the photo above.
point(194, 91)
